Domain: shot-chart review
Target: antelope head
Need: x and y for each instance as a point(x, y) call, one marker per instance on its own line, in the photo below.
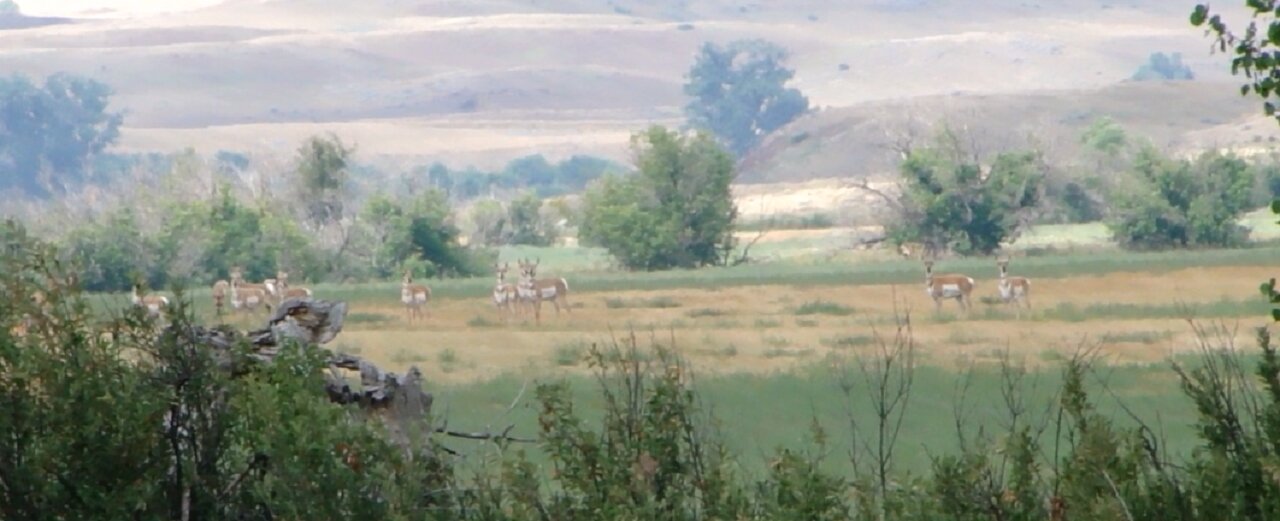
point(1003, 263)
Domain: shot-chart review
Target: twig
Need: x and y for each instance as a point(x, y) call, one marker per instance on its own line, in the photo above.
point(504, 436)
point(1127, 514)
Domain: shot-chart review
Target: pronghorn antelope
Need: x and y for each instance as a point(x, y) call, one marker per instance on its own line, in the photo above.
point(268, 286)
point(414, 296)
point(247, 297)
point(1013, 290)
point(910, 250)
point(284, 292)
point(947, 286)
point(505, 297)
point(535, 290)
point(154, 304)
point(919, 250)
point(221, 289)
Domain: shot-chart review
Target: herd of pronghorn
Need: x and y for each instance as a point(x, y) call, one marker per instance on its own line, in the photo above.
point(528, 292)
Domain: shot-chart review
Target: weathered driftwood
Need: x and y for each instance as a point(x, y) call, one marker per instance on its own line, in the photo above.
point(309, 323)
point(397, 400)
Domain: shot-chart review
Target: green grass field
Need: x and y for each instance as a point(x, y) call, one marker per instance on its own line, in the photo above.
point(758, 413)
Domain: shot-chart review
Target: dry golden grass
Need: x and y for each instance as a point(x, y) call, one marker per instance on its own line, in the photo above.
point(757, 329)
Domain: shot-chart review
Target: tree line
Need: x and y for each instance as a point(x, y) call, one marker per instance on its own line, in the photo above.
point(671, 208)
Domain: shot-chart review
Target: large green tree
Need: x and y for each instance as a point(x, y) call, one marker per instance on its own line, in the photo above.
point(524, 216)
point(322, 173)
point(419, 234)
point(49, 133)
point(740, 92)
point(675, 211)
point(950, 202)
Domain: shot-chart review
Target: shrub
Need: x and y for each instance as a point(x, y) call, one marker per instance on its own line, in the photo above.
point(1161, 66)
point(115, 421)
point(676, 212)
point(949, 202)
point(823, 307)
point(1180, 203)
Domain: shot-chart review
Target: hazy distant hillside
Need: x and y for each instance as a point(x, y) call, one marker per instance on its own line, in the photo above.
point(486, 80)
point(859, 141)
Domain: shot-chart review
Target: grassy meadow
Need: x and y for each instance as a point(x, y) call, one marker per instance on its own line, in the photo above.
point(767, 341)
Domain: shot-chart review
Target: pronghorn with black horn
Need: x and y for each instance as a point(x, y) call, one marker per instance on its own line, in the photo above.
point(535, 290)
point(154, 304)
point(505, 297)
point(1013, 290)
point(947, 286)
point(285, 292)
point(414, 296)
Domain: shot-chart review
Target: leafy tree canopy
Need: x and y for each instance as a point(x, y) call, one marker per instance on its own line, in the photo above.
point(676, 211)
point(1180, 203)
point(949, 201)
point(739, 92)
point(49, 133)
point(322, 172)
point(1105, 136)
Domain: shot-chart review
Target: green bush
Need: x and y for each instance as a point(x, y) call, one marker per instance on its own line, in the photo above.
point(1180, 203)
point(1161, 66)
point(676, 212)
point(949, 202)
point(125, 420)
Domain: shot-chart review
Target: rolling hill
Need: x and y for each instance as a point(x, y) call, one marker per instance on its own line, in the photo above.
point(481, 81)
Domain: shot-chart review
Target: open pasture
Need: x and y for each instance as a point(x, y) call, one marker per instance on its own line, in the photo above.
point(766, 341)
point(761, 319)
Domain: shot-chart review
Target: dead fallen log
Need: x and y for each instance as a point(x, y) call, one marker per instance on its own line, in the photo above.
point(398, 400)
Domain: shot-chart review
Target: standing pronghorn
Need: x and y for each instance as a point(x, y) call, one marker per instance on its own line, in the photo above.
point(1013, 290)
point(284, 292)
point(221, 289)
point(154, 304)
point(910, 250)
point(947, 286)
point(535, 290)
point(247, 297)
point(414, 296)
point(505, 296)
point(268, 286)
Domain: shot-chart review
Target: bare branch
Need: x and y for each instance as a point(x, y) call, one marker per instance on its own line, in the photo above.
point(504, 436)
